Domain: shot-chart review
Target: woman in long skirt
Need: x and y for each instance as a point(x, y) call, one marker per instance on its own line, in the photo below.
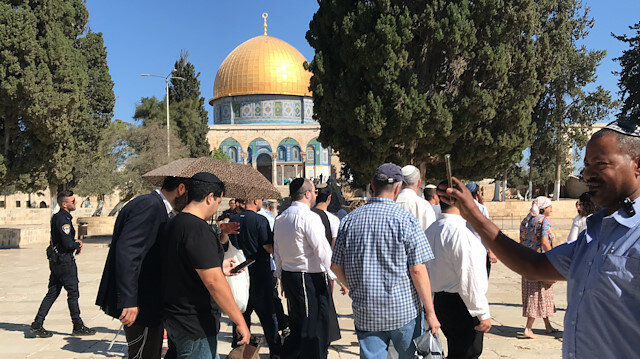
point(537, 296)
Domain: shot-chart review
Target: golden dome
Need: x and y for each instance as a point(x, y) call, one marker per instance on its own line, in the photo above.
point(262, 65)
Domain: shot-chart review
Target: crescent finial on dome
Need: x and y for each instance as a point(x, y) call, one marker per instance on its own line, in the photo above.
point(265, 16)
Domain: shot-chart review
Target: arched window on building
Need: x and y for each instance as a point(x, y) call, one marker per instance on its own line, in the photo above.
point(295, 154)
point(232, 153)
point(282, 154)
point(249, 155)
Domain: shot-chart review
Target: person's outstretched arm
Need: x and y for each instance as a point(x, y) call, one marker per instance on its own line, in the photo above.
point(518, 258)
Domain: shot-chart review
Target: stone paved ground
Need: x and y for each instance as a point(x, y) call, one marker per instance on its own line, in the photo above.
point(24, 275)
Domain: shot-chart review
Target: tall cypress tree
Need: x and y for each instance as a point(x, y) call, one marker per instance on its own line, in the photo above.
point(565, 112)
point(51, 113)
point(188, 107)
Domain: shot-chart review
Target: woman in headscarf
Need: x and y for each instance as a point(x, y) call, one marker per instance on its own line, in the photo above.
point(537, 296)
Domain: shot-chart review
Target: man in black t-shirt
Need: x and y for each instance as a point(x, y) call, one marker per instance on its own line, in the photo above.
point(256, 242)
point(195, 288)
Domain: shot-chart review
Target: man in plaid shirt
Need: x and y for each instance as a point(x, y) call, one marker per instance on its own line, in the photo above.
point(380, 255)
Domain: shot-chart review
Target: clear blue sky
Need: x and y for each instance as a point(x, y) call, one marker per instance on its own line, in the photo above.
point(146, 36)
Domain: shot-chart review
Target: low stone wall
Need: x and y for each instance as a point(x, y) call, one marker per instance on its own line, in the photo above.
point(564, 208)
point(34, 216)
point(18, 236)
point(98, 226)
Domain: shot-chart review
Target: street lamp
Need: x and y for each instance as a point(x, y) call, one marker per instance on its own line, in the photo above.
point(166, 79)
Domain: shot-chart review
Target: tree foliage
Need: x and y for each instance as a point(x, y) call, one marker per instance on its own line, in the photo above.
point(56, 94)
point(565, 112)
point(144, 149)
point(629, 82)
point(407, 81)
point(187, 115)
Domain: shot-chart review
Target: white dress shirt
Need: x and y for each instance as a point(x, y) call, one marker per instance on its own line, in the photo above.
point(485, 212)
point(334, 223)
point(419, 207)
point(167, 205)
point(459, 264)
point(299, 241)
point(579, 224)
point(437, 210)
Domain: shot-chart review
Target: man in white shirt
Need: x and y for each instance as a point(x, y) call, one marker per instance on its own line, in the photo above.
point(303, 257)
point(283, 319)
point(431, 196)
point(476, 192)
point(459, 281)
point(323, 199)
point(409, 200)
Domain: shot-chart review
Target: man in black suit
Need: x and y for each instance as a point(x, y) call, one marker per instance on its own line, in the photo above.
point(131, 285)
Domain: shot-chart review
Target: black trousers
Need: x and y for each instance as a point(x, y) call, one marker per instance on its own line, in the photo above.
point(310, 320)
point(145, 342)
point(64, 273)
point(283, 319)
point(488, 266)
point(261, 301)
point(463, 341)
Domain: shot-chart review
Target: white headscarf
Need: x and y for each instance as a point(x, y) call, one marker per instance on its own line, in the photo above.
point(539, 203)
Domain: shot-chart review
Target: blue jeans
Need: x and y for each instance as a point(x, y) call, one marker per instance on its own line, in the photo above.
point(374, 345)
point(192, 348)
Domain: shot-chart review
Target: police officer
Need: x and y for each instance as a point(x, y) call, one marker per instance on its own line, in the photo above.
point(64, 272)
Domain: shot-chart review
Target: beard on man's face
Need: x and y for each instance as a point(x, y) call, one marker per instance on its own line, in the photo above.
point(180, 202)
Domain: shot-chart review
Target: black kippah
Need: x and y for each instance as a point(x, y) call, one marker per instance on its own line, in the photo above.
point(206, 177)
point(295, 186)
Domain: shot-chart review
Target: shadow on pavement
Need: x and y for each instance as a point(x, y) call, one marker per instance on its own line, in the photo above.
point(94, 346)
point(345, 349)
point(516, 332)
point(24, 328)
point(558, 309)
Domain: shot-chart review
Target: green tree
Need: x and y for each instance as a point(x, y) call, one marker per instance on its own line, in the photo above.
point(565, 112)
point(187, 115)
point(98, 171)
point(190, 114)
point(219, 154)
point(407, 81)
point(144, 149)
point(629, 82)
point(47, 99)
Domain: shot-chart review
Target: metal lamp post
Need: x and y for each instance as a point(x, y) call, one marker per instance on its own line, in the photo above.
point(166, 79)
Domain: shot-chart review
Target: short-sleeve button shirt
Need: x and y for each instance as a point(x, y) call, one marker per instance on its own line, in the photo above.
point(254, 234)
point(62, 232)
point(376, 244)
point(602, 268)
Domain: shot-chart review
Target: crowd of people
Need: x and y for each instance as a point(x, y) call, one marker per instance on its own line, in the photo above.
point(409, 264)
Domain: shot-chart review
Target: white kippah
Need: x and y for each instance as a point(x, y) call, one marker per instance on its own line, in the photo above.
point(409, 170)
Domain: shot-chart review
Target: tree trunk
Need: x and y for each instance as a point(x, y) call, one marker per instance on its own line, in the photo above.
point(496, 193)
point(529, 197)
point(504, 187)
point(556, 187)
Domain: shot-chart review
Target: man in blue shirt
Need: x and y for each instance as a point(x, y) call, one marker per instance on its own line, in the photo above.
point(380, 255)
point(602, 267)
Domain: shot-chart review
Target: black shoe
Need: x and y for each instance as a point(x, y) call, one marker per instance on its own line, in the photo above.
point(37, 331)
point(83, 330)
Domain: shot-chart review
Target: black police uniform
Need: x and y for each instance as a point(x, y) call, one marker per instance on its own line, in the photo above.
point(64, 272)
